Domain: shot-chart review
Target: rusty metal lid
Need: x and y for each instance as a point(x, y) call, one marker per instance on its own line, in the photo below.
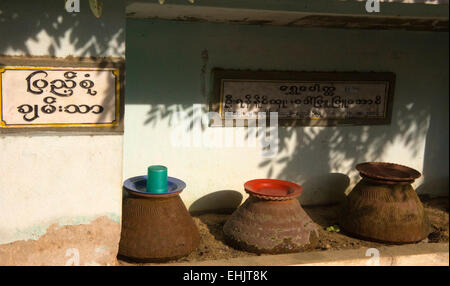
point(273, 189)
point(138, 185)
point(387, 171)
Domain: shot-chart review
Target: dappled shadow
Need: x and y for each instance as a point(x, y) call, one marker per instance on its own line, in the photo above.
point(320, 151)
point(167, 78)
point(45, 28)
point(43, 33)
point(322, 159)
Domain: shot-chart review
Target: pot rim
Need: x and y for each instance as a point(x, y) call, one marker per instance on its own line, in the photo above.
point(287, 190)
point(135, 185)
point(374, 170)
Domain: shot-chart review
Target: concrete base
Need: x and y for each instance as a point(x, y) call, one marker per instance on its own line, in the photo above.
point(423, 254)
point(95, 243)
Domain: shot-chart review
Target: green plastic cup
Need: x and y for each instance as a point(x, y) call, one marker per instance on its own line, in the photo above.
point(156, 179)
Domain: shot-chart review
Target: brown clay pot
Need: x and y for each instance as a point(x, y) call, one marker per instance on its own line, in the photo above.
point(156, 228)
point(384, 207)
point(271, 220)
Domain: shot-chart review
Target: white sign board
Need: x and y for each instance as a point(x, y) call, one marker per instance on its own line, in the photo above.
point(355, 98)
point(59, 97)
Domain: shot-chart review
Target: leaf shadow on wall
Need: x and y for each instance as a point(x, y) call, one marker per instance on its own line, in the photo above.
point(321, 153)
point(322, 160)
point(46, 28)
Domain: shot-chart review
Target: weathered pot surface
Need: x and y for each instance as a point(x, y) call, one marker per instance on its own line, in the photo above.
point(155, 227)
point(271, 220)
point(384, 207)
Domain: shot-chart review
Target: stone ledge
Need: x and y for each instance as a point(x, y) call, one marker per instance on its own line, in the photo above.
point(424, 254)
point(295, 13)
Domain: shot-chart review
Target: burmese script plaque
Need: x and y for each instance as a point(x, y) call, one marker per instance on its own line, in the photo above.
point(305, 98)
point(59, 97)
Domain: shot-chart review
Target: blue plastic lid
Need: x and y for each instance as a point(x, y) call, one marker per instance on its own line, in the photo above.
point(139, 185)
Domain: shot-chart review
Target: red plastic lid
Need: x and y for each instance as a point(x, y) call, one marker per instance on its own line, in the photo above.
point(273, 188)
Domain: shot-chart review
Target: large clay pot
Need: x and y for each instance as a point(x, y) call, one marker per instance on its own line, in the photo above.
point(384, 207)
point(271, 220)
point(155, 227)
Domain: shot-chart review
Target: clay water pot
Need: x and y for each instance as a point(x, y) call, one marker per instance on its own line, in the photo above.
point(271, 220)
point(156, 227)
point(384, 207)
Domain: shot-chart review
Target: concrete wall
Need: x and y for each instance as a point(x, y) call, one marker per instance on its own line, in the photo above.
point(168, 70)
point(60, 196)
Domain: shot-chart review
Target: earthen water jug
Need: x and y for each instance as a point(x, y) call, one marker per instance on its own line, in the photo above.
point(271, 220)
point(383, 205)
point(156, 227)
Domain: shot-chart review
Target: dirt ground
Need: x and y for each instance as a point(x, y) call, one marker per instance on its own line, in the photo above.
point(213, 247)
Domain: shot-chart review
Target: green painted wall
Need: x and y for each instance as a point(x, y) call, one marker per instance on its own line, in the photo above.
point(167, 70)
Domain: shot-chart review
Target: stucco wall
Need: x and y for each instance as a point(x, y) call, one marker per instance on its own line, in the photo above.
point(60, 195)
point(168, 70)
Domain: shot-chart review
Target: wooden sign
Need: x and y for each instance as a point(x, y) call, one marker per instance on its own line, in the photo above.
point(55, 97)
point(305, 98)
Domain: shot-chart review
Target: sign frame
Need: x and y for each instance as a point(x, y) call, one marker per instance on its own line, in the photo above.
point(81, 64)
point(221, 75)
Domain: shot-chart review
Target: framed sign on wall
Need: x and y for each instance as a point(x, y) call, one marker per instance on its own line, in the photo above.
point(82, 97)
point(304, 98)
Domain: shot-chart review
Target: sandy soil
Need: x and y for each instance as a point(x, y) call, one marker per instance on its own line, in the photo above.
point(212, 245)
